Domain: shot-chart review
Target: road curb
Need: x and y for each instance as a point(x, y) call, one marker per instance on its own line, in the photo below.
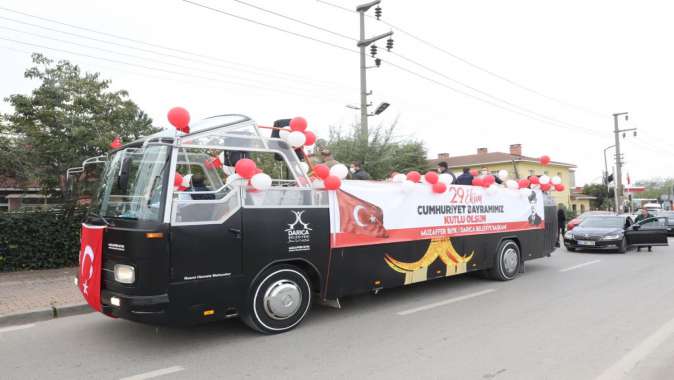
point(44, 314)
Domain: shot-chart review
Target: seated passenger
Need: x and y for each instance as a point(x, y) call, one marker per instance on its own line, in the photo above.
point(198, 185)
point(465, 178)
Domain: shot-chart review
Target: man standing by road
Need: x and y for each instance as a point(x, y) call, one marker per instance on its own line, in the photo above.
point(561, 222)
point(357, 171)
point(643, 215)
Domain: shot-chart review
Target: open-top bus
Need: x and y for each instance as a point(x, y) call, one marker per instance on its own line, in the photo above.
point(155, 250)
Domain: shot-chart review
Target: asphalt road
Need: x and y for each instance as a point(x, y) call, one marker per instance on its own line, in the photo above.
point(571, 316)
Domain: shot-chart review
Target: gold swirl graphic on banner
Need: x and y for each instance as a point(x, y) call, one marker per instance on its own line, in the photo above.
point(442, 248)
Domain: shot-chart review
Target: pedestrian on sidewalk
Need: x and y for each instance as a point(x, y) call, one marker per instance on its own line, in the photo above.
point(561, 222)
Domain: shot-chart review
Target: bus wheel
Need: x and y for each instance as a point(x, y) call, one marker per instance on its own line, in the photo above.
point(507, 261)
point(278, 301)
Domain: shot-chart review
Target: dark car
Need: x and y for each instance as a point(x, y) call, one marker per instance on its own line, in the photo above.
point(616, 232)
point(576, 221)
point(670, 221)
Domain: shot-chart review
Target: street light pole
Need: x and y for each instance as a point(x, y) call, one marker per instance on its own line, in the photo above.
point(618, 158)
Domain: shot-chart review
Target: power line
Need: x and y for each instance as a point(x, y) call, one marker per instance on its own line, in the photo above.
point(474, 65)
point(546, 121)
point(296, 20)
point(242, 66)
point(490, 95)
point(145, 59)
point(153, 69)
point(276, 28)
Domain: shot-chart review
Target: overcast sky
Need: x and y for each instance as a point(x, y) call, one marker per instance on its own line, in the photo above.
point(584, 59)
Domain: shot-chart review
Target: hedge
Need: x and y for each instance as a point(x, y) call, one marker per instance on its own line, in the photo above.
point(40, 239)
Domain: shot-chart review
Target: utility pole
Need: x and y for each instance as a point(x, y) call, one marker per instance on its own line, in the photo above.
point(362, 44)
point(618, 158)
point(606, 167)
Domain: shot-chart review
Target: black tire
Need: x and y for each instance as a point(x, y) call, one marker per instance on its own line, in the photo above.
point(570, 249)
point(623, 246)
point(290, 285)
point(506, 266)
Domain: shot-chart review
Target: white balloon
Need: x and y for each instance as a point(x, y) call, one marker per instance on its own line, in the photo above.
point(399, 178)
point(187, 181)
point(544, 179)
point(512, 184)
point(408, 186)
point(556, 180)
point(261, 181)
point(493, 188)
point(339, 170)
point(317, 184)
point(445, 178)
point(234, 180)
point(283, 133)
point(296, 139)
point(503, 174)
point(304, 166)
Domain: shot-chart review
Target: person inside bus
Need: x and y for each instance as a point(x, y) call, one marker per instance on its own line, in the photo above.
point(199, 185)
point(443, 169)
point(465, 178)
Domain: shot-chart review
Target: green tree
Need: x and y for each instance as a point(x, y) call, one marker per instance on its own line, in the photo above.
point(70, 116)
point(604, 199)
point(379, 150)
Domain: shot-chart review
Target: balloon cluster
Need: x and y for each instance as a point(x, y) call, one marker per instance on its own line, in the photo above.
point(329, 178)
point(298, 136)
point(246, 171)
point(438, 182)
point(180, 119)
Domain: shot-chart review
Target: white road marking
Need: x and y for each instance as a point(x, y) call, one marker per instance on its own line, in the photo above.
point(155, 373)
point(579, 265)
point(14, 328)
point(627, 363)
point(445, 302)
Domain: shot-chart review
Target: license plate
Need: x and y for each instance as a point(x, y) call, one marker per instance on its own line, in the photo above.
point(585, 242)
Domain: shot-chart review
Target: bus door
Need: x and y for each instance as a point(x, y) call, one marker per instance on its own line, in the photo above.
point(648, 232)
point(205, 228)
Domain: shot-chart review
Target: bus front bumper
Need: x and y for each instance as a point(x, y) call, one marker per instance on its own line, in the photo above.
point(146, 309)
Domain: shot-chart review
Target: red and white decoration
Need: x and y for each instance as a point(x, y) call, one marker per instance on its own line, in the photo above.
point(89, 276)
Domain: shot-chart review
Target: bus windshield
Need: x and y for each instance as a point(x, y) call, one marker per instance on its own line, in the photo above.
point(133, 182)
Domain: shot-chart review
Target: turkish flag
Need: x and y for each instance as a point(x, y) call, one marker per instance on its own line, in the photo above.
point(91, 260)
point(360, 217)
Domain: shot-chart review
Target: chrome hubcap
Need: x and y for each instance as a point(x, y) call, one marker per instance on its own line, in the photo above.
point(510, 260)
point(282, 299)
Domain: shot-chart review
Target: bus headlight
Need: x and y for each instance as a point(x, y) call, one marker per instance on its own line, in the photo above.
point(125, 274)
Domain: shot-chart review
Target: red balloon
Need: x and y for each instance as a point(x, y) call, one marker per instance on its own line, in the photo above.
point(546, 186)
point(311, 138)
point(179, 180)
point(474, 172)
point(432, 177)
point(477, 181)
point(544, 160)
point(116, 143)
point(523, 183)
point(245, 167)
point(559, 187)
point(439, 187)
point(488, 180)
point(179, 118)
point(332, 182)
point(534, 180)
point(322, 171)
point(298, 124)
point(414, 176)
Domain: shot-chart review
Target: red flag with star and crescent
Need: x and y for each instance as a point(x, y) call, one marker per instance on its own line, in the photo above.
point(91, 260)
point(360, 217)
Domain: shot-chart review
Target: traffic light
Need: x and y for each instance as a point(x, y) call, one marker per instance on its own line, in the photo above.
point(609, 179)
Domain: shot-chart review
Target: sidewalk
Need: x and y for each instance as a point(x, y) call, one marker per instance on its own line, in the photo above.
point(37, 295)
